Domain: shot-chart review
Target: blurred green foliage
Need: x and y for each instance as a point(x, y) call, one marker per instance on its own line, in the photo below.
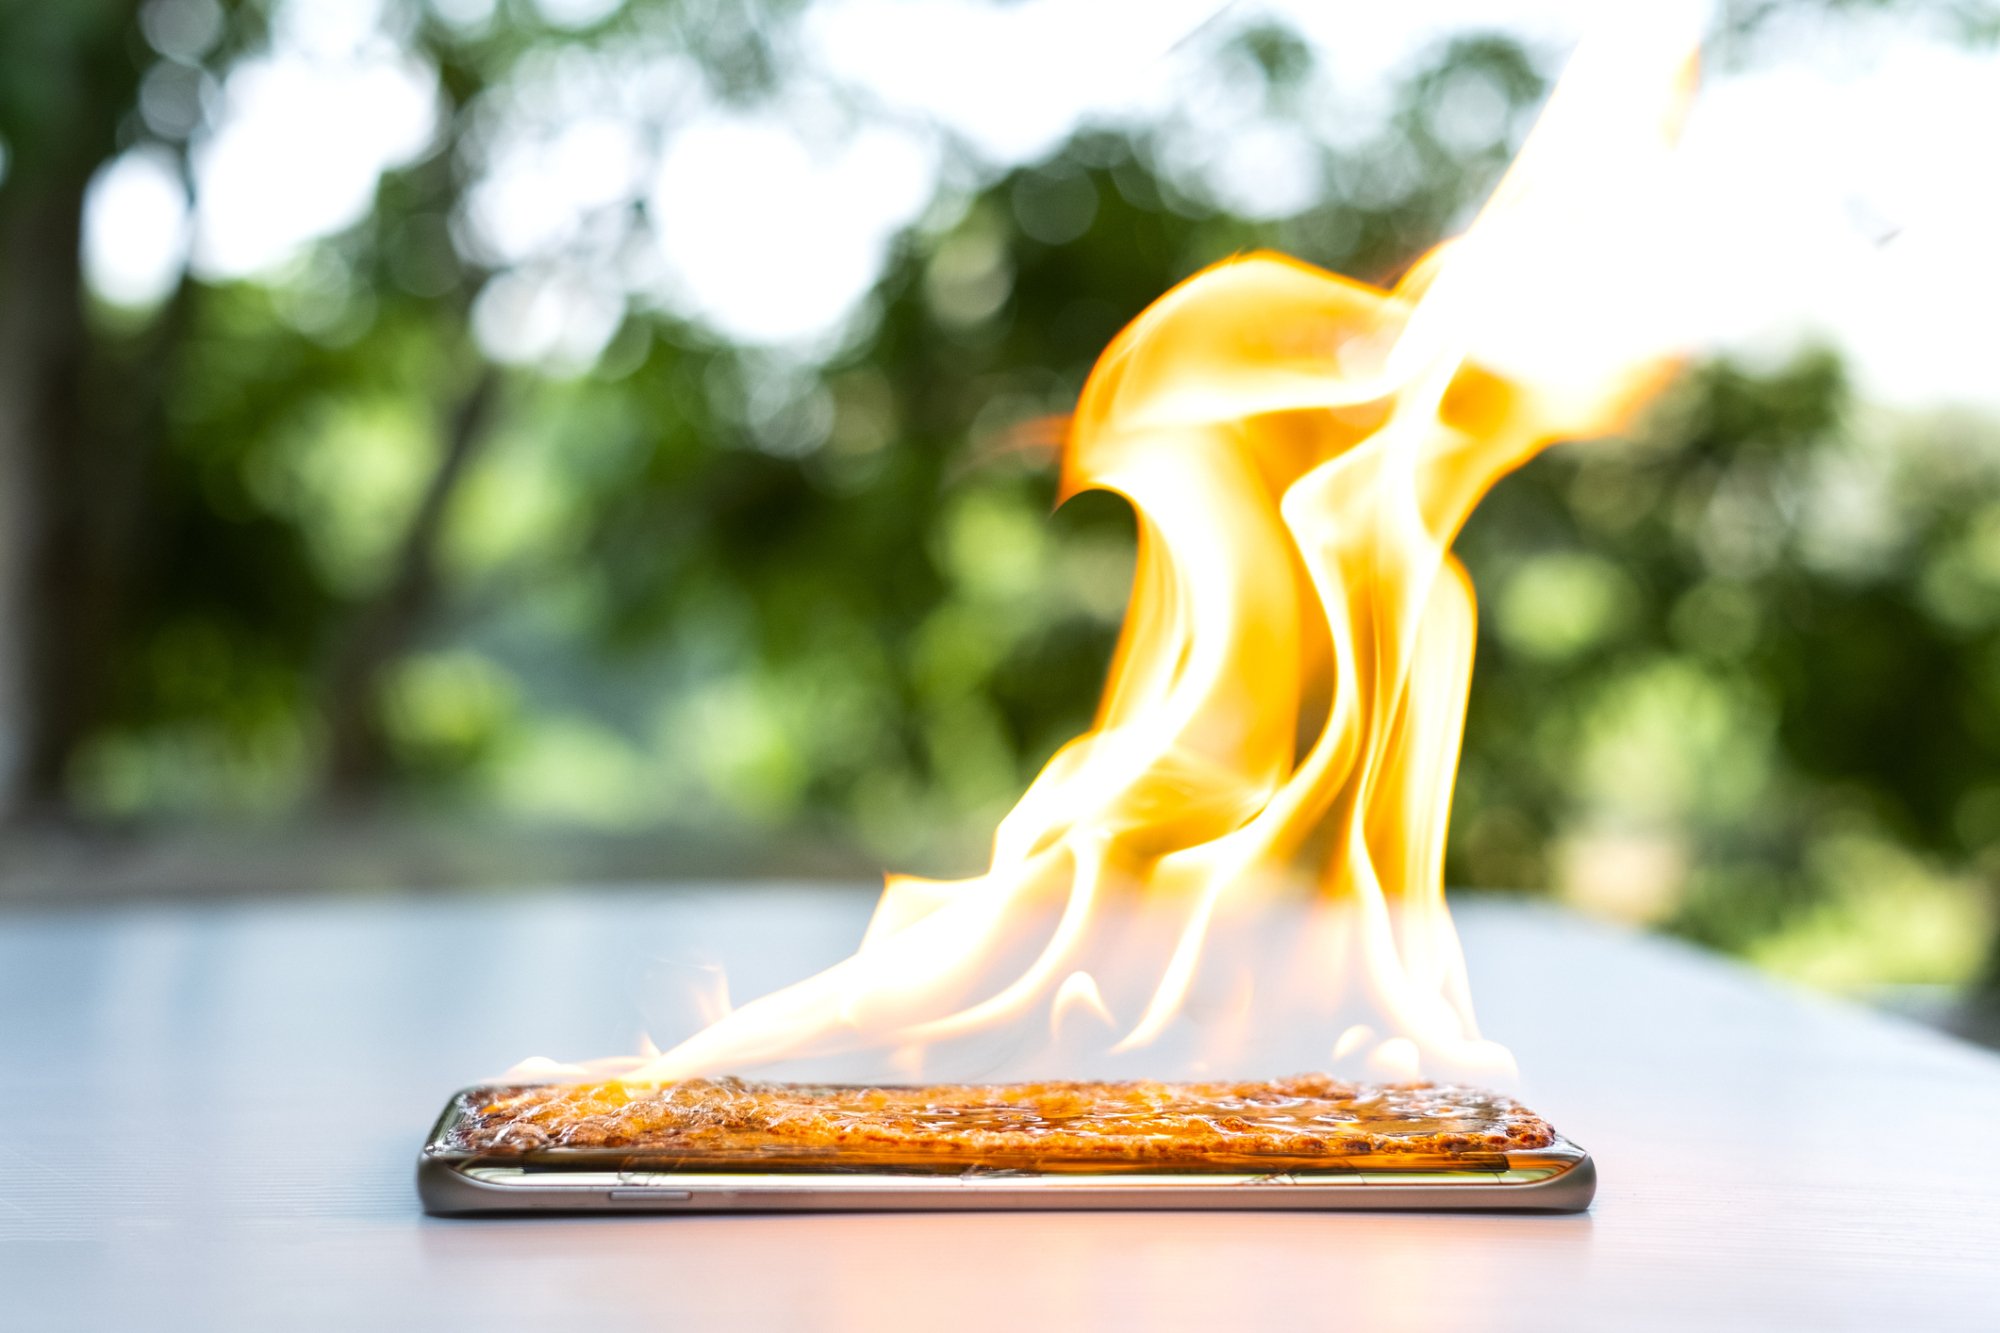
point(1739, 674)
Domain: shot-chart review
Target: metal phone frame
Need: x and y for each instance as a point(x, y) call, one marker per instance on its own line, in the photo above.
point(451, 1183)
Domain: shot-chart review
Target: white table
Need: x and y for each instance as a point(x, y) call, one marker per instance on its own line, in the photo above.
point(210, 1115)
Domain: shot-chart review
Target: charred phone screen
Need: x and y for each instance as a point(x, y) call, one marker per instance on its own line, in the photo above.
point(1309, 1141)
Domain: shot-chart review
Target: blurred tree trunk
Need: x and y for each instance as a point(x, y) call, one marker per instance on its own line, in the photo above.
point(70, 484)
point(359, 760)
point(43, 347)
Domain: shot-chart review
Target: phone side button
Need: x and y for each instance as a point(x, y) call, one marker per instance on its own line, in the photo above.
point(651, 1196)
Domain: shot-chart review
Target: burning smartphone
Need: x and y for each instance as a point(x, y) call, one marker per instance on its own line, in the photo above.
point(726, 1145)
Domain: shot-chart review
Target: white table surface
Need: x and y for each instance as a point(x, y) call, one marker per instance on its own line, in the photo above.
point(210, 1115)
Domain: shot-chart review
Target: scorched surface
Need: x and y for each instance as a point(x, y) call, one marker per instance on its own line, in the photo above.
point(1180, 1124)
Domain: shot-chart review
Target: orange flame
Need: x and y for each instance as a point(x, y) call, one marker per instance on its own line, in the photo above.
point(1240, 864)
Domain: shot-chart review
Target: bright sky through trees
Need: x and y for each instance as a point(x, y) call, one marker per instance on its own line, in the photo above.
point(1836, 170)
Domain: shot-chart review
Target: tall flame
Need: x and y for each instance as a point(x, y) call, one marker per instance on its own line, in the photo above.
point(1239, 867)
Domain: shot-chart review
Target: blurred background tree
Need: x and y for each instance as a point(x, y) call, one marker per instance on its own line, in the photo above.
point(464, 512)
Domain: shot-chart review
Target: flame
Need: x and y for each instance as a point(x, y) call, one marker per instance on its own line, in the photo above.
point(1240, 864)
